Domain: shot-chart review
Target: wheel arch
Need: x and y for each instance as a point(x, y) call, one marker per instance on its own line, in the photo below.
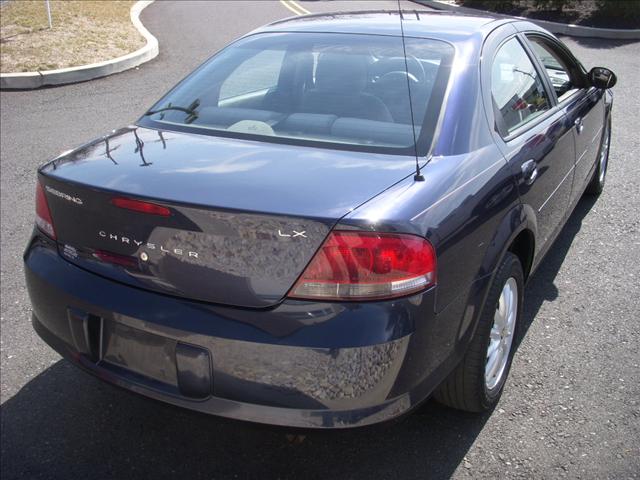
point(523, 247)
point(516, 233)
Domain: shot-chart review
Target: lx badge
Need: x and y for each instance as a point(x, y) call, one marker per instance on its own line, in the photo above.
point(295, 234)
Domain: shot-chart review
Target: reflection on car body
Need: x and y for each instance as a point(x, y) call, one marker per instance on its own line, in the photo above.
point(329, 221)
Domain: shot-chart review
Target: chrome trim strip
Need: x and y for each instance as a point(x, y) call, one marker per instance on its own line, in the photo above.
point(597, 134)
point(556, 189)
point(581, 156)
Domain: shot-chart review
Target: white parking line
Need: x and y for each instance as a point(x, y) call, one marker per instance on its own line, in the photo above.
point(295, 7)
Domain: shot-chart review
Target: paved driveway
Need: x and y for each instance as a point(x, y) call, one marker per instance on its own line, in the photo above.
point(572, 402)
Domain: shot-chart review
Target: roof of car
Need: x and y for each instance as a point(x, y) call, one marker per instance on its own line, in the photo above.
point(416, 23)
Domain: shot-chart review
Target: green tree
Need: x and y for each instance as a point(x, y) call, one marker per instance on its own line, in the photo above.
point(553, 5)
point(613, 9)
point(492, 5)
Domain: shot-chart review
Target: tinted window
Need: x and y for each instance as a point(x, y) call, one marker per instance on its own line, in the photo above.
point(557, 68)
point(340, 89)
point(517, 90)
point(258, 73)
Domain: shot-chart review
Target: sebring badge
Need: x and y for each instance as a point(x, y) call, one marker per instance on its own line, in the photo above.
point(64, 196)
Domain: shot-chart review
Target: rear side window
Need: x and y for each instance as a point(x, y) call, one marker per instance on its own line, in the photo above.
point(516, 88)
point(323, 89)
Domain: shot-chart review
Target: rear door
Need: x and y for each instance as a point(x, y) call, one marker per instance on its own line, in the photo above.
point(532, 132)
point(582, 104)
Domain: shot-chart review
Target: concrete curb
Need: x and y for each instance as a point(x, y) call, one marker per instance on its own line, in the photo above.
point(31, 80)
point(554, 27)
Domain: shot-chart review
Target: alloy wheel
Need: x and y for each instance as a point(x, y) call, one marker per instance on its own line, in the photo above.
point(501, 335)
point(604, 156)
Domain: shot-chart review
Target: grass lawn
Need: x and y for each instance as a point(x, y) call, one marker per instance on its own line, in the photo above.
point(84, 31)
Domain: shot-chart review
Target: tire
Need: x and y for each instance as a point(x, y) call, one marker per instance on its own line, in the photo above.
point(596, 185)
point(470, 386)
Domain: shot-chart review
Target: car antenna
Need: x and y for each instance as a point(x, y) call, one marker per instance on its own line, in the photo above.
point(418, 177)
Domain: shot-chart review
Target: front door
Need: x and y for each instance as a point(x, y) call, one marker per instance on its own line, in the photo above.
point(582, 104)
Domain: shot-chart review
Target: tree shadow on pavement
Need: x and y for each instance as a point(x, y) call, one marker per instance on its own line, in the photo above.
point(66, 424)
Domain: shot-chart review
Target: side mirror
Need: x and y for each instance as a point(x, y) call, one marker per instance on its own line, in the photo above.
point(601, 77)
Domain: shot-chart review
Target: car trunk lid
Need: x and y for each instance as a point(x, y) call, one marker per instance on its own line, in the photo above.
point(242, 219)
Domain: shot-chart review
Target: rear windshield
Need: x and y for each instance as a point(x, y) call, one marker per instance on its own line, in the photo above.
point(356, 92)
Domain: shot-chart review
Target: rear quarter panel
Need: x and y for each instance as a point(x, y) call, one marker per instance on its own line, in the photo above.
point(460, 208)
point(465, 204)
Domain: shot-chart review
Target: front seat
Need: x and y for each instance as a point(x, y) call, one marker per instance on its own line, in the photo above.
point(338, 89)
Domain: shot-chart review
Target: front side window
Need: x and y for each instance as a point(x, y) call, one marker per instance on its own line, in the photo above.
point(556, 67)
point(516, 88)
point(347, 91)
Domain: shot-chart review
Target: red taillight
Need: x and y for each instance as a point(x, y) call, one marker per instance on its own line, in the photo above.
point(43, 215)
point(142, 207)
point(367, 265)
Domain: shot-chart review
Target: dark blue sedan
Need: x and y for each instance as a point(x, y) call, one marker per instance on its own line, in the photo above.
point(329, 221)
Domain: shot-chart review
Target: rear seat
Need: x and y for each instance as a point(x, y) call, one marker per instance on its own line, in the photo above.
point(371, 131)
point(311, 124)
point(307, 123)
point(227, 116)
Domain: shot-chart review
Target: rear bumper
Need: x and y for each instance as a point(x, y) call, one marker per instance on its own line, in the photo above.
point(301, 364)
point(283, 416)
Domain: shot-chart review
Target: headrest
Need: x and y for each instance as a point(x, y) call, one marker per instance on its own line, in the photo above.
point(339, 72)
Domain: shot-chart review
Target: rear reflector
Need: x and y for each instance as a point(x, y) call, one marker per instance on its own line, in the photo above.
point(367, 265)
point(115, 258)
point(142, 207)
point(43, 215)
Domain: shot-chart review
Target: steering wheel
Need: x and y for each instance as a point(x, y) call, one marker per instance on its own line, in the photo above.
point(416, 75)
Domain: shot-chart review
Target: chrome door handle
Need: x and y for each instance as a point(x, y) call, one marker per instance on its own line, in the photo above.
point(530, 171)
point(579, 125)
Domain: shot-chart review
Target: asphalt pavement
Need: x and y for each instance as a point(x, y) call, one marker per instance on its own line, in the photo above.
point(572, 403)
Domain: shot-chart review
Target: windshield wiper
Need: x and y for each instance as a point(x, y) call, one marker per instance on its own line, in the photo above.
point(191, 110)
